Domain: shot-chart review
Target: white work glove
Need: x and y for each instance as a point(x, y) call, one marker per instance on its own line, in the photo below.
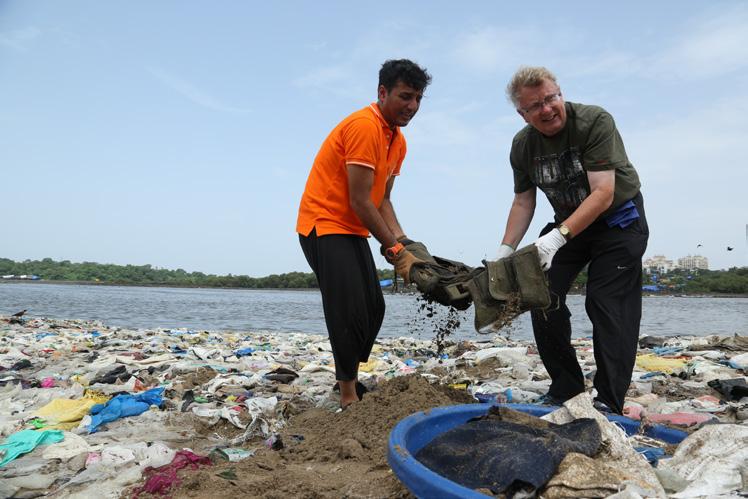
point(504, 251)
point(548, 245)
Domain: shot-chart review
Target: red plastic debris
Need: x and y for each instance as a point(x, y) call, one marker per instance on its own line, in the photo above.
point(161, 480)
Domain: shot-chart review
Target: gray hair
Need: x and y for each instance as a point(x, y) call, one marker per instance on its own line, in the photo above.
point(527, 76)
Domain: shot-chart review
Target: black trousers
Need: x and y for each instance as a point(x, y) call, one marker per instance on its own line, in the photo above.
point(613, 304)
point(352, 298)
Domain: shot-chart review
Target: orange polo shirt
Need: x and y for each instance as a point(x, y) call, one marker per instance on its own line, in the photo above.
point(363, 138)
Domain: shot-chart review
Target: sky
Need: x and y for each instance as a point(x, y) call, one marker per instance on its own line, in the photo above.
point(180, 134)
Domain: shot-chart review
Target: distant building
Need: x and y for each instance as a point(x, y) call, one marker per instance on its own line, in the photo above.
point(658, 264)
point(693, 262)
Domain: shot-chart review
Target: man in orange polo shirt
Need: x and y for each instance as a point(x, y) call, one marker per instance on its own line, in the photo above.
point(347, 197)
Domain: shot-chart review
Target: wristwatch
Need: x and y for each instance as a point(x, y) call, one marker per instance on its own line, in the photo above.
point(564, 230)
point(393, 251)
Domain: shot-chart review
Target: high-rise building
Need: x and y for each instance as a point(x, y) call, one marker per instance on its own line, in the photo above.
point(658, 264)
point(693, 262)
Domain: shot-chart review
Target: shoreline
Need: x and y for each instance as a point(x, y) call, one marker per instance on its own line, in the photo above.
point(186, 286)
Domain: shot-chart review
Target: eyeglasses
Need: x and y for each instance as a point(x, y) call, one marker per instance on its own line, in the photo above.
point(549, 100)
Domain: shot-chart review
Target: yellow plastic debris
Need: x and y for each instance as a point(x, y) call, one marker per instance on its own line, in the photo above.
point(651, 362)
point(459, 386)
point(368, 367)
point(65, 414)
point(98, 396)
point(77, 378)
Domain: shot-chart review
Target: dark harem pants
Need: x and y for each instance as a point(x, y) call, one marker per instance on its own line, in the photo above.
point(352, 298)
point(613, 304)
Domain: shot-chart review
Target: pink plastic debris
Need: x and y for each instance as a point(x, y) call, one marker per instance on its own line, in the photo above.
point(161, 480)
point(93, 458)
point(708, 402)
point(48, 382)
point(633, 411)
point(679, 418)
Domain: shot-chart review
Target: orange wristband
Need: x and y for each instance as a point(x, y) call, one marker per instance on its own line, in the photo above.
point(395, 250)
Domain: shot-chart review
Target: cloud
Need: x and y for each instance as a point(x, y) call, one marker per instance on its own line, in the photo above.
point(324, 77)
point(443, 128)
point(710, 47)
point(695, 144)
point(606, 66)
point(488, 49)
point(344, 81)
point(693, 175)
point(20, 39)
point(192, 93)
point(317, 46)
point(352, 70)
point(709, 44)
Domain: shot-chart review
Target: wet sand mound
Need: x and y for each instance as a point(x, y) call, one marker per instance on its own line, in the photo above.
point(330, 454)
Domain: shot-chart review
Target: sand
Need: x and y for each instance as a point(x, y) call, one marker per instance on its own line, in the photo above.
point(341, 454)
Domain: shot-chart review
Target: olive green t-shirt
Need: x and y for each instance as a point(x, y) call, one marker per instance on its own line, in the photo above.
point(557, 165)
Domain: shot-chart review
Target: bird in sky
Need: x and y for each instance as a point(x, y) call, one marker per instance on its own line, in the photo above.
point(698, 246)
point(730, 248)
point(19, 314)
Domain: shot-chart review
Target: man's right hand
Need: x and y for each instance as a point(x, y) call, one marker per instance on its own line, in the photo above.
point(403, 262)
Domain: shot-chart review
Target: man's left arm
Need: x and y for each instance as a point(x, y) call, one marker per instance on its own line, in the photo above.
point(602, 188)
point(603, 153)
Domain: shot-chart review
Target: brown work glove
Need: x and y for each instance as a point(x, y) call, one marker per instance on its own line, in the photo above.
point(403, 262)
point(402, 240)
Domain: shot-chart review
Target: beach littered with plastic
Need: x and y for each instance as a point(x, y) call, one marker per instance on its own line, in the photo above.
point(88, 410)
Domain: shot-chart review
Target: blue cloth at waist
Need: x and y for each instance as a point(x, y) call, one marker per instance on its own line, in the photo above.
point(623, 216)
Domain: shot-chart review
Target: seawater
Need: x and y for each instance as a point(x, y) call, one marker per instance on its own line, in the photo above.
point(301, 311)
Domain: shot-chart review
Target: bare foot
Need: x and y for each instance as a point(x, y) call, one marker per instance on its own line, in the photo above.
point(347, 393)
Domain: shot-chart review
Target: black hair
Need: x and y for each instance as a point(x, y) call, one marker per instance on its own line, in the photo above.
point(406, 71)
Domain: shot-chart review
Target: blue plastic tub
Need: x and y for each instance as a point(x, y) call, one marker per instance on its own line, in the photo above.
point(412, 433)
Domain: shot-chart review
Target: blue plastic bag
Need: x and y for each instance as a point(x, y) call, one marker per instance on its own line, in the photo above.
point(123, 406)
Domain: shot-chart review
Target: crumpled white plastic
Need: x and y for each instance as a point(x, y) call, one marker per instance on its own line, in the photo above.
point(154, 455)
point(262, 410)
point(739, 361)
point(313, 367)
point(71, 446)
point(206, 353)
point(711, 459)
point(142, 454)
point(214, 415)
point(616, 446)
point(117, 455)
point(32, 482)
point(238, 380)
point(507, 356)
point(259, 406)
point(154, 360)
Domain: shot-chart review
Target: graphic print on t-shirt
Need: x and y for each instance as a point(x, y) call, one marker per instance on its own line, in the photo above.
point(562, 179)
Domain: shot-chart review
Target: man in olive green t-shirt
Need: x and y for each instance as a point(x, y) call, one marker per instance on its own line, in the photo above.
point(575, 155)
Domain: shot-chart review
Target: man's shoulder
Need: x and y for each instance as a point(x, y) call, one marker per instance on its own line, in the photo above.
point(521, 137)
point(585, 114)
point(365, 114)
point(364, 118)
